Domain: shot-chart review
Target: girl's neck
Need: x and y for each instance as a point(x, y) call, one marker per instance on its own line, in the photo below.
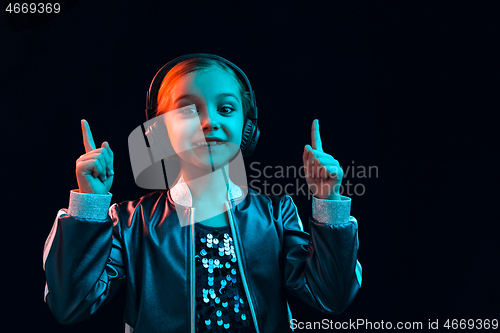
point(206, 187)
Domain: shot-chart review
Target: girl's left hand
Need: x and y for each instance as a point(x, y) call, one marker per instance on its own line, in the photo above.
point(323, 172)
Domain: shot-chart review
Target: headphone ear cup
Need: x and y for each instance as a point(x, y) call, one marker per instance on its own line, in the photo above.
point(249, 137)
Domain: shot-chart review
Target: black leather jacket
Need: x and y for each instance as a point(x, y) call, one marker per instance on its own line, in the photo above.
point(147, 246)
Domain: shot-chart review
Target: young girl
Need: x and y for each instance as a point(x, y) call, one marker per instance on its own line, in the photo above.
point(227, 268)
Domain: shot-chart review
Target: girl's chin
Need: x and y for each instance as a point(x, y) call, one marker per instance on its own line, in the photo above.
point(203, 158)
point(215, 162)
point(204, 161)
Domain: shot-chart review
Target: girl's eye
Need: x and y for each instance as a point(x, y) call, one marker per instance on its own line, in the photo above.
point(189, 111)
point(227, 109)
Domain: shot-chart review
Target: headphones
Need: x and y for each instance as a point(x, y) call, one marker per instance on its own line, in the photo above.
point(251, 131)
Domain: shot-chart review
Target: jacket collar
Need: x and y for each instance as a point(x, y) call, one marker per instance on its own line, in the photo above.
point(181, 195)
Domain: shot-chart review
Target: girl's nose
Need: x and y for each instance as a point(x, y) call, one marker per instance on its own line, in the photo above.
point(209, 120)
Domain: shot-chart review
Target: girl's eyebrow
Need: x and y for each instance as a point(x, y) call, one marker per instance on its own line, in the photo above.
point(219, 95)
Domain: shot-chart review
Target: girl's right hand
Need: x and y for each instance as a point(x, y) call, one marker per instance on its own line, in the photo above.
point(94, 169)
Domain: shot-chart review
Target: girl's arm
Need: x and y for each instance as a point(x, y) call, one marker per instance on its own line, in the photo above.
point(83, 258)
point(322, 268)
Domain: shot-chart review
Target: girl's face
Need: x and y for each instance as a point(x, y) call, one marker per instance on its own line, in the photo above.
point(206, 104)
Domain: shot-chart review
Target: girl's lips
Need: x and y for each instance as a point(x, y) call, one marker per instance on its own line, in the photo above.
point(207, 139)
point(213, 145)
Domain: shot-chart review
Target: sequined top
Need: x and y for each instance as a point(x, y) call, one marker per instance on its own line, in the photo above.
point(221, 305)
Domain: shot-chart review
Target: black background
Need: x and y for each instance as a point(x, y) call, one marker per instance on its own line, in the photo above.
point(409, 88)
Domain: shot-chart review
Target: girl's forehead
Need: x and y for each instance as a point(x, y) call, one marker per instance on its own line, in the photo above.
point(206, 82)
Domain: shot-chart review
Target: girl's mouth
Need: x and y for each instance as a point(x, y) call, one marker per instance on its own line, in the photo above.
point(209, 143)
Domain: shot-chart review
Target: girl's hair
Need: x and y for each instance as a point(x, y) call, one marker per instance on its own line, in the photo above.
point(189, 66)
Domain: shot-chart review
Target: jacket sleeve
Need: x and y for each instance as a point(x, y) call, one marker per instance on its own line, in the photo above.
point(82, 258)
point(322, 270)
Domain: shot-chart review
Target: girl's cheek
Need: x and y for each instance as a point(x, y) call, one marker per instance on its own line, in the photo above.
point(187, 132)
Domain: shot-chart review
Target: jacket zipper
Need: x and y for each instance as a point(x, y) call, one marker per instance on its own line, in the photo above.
point(192, 270)
point(240, 266)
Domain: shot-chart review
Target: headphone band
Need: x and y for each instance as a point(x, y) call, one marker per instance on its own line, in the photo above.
point(152, 93)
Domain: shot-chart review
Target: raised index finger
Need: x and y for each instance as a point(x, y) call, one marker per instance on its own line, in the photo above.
point(88, 140)
point(315, 137)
